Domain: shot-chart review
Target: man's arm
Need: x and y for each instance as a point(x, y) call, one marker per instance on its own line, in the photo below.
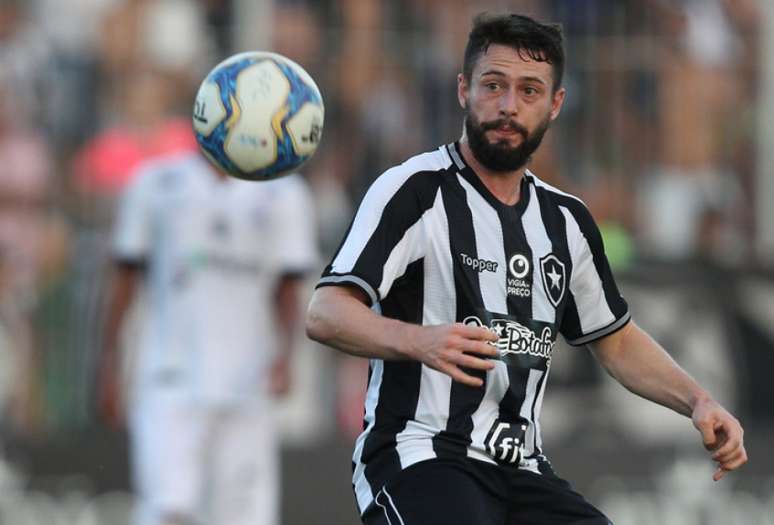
point(641, 365)
point(338, 316)
point(286, 314)
point(123, 289)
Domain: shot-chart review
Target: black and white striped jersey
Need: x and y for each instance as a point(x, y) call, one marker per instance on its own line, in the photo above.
point(431, 245)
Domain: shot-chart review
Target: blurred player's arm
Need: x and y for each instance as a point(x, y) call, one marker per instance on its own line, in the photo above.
point(123, 286)
point(287, 317)
point(339, 316)
point(641, 365)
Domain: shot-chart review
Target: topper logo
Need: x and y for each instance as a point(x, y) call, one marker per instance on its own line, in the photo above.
point(480, 265)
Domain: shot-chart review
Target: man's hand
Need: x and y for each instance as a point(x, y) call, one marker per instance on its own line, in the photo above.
point(722, 434)
point(446, 348)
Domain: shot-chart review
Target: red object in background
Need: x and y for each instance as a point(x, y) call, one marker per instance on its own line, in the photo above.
point(106, 163)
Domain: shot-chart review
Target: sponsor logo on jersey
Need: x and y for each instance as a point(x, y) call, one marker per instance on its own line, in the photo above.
point(518, 268)
point(514, 338)
point(505, 442)
point(554, 277)
point(479, 265)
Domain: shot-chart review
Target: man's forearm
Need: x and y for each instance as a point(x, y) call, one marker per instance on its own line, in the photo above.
point(339, 319)
point(641, 365)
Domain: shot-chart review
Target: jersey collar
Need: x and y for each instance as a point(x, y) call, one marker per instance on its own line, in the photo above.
point(470, 175)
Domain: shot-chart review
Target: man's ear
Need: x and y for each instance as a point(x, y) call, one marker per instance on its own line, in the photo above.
point(462, 91)
point(556, 102)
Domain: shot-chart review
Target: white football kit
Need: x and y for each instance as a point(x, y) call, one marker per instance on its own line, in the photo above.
point(200, 417)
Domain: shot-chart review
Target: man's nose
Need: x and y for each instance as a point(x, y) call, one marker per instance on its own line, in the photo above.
point(509, 103)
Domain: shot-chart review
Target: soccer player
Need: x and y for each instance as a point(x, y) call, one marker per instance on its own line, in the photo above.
point(221, 261)
point(459, 271)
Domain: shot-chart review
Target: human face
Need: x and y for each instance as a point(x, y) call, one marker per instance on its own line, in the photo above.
point(509, 104)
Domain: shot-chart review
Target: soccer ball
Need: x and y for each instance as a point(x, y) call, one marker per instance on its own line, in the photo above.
point(258, 116)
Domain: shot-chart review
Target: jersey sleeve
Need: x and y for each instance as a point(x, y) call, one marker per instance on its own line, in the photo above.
point(295, 235)
point(595, 307)
point(384, 237)
point(132, 230)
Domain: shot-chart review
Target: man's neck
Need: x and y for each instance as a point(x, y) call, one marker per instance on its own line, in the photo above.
point(504, 185)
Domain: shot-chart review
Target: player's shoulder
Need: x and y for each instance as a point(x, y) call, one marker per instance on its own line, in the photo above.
point(416, 173)
point(554, 195)
point(561, 202)
point(435, 161)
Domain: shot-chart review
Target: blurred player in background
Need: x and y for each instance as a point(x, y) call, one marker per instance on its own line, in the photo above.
point(221, 261)
point(476, 266)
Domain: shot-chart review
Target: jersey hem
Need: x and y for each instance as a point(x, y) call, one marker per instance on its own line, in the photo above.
point(602, 332)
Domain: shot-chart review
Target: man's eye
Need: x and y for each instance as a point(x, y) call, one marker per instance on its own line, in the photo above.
point(530, 91)
point(492, 86)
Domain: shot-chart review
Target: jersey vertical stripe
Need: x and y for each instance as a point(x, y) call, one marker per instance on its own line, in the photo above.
point(537, 237)
point(463, 399)
point(432, 411)
point(542, 310)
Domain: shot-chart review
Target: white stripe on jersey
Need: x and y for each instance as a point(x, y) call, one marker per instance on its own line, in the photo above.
point(362, 488)
point(535, 230)
point(405, 252)
point(489, 243)
point(432, 410)
point(585, 284)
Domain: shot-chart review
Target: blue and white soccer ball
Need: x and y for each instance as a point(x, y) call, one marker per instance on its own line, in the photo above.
point(258, 116)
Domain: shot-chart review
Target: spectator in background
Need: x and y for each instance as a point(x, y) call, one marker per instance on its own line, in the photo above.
point(26, 63)
point(700, 92)
point(152, 55)
point(32, 245)
point(144, 125)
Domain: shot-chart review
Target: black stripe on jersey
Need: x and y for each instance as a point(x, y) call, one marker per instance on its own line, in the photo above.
point(520, 307)
point(463, 399)
point(403, 210)
point(400, 382)
point(615, 301)
point(533, 419)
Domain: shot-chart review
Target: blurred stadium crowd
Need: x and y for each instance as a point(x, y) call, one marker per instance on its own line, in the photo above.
point(659, 135)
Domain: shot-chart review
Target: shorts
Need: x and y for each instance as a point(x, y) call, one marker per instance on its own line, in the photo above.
point(207, 464)
point(465, 491)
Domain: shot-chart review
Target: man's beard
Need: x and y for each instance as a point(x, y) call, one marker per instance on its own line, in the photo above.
point(500, 156)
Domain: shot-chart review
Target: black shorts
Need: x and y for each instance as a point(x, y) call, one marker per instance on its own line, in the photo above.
point(466, 491)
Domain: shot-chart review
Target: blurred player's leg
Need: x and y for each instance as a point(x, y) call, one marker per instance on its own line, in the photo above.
point(245, 484)
point(168, 443)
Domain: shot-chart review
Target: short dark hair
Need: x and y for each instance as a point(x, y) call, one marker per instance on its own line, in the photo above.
point(537, 41)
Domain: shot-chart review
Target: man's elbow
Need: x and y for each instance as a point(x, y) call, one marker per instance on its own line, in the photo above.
point(318, 328)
